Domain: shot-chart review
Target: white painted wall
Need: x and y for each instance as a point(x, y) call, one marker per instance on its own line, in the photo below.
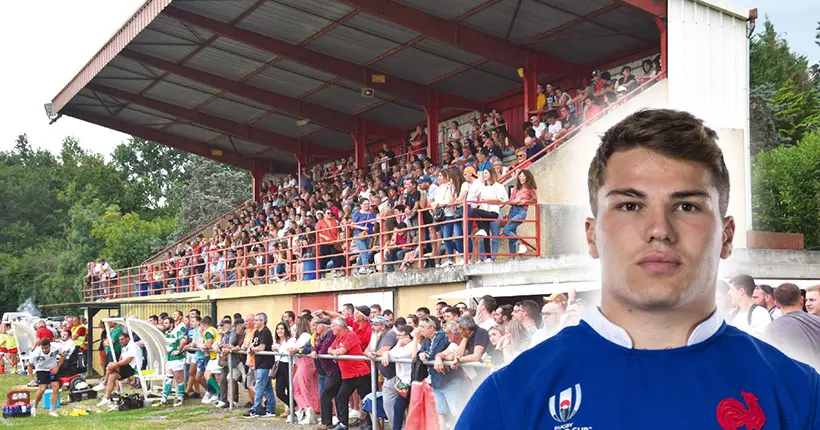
point(708, 67)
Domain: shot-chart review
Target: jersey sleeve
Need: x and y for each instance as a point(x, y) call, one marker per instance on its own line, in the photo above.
point(482, 411)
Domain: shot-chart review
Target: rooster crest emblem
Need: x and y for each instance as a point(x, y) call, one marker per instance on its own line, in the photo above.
point(569, 401)
point(732, 415)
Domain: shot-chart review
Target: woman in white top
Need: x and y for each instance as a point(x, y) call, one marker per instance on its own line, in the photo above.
point(469, 191)
point(281, 337)
point(454, 134)
point(492, 193)
point(444, 199)
point(305, 381)
point(405, 348)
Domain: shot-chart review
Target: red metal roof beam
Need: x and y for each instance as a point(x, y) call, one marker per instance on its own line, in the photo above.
point(402, 88)
point(469, 39)
point(653, 7)
point(336, 120)
point(243, 131)
point(178, 142)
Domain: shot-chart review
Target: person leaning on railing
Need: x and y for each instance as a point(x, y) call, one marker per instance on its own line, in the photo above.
point(444, 212)
point(489, 196)
point(523, 195)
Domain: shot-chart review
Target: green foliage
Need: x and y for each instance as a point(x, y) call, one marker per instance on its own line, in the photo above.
point(786, 189)
point(771, 61)
point(212, 189)
point(129, 239)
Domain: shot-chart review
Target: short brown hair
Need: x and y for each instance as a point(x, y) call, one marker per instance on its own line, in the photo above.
point(668, 132)
point(787, 294)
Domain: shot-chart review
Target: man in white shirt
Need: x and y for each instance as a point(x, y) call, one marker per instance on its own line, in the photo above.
point(764, 296)
point(484, 312)
point(551, 314)
point(554, 127)
point(539, 127)
point(44, 363)
point(748, 316)
point(130, 360)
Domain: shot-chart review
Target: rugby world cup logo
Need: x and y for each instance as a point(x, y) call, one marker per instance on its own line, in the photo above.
point(567, 405)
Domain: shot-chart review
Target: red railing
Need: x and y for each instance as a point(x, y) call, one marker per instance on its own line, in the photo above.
point(196, 232)
point(513, 170)
point(300, 257)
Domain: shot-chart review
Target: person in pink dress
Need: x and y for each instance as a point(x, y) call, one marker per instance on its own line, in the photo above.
point(305, 380)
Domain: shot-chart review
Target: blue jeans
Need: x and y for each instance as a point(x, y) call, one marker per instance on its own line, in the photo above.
point(447, 233)
point(321, 384)
point(458, 231)
point(495, 230)
point(142, 289)
point(516, 212)
point(264, 389)
point(364, 256)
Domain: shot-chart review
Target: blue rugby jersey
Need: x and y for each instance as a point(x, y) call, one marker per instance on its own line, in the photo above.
point(588, 377)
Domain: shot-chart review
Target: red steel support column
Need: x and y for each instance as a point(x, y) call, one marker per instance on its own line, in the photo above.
point(360, 144)
point(664, 52)
point(257, 173)
point(530, 83)
point(433, 111)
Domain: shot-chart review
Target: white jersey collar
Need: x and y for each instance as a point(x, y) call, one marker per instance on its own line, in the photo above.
point(619, 336)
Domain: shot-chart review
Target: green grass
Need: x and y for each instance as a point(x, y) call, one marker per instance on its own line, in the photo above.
point(163, 417)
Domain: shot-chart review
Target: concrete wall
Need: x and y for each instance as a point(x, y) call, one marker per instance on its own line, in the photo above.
point(409, 299)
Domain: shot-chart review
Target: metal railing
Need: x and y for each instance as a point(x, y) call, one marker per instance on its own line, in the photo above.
point(514, 169)
point(313, 254)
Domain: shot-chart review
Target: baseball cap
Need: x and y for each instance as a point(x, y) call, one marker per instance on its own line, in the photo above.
point(365, 310)
point(470, 170)
point(425, 178)
point(325, 321)
point(595, 73)
point(533, 118)
point(379, 320)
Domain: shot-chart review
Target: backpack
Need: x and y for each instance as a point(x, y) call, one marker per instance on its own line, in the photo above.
point(748, 314)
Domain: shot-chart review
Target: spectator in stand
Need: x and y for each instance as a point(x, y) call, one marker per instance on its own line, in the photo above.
point(524, 194)
point(491, 195)
point(532, 145)
point(483, 160)
point(795, 333)
point(503, 315)
point(539, 127)
point(764, 296)
point(305, 381)
point(540, 97)
point(396, 389)
point(330, 376)
point(627, 81)
point(747, 316)
point(282, 341)
point(454, 134)
point(444, 212)
point(418, 142)
point(554, 127)
point(563, 100)
point(517, 339)
point(813, 300)
point(475, 340)
point(449, 385)
point(355, 374)
point(526, 311)
point(362, 225)
point(551, 315)
point(568, 121)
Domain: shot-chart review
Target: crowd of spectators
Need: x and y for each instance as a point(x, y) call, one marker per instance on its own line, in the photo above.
point(399, 212)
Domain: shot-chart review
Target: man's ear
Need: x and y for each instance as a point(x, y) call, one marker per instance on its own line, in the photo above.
point(728, 237)
point(589, 227)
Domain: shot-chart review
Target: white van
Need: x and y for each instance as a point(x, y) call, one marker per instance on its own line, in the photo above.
point(9, 317)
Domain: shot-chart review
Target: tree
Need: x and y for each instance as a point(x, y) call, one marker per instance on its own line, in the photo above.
point(786, 189)
point(152, 171)
point(772, 61)
point(128, 239)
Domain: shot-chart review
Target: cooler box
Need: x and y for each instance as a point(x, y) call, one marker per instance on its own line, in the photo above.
point(47, 399)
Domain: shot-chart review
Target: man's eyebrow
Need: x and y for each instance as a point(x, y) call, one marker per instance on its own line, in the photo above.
point(626, 192)
point(689, 193)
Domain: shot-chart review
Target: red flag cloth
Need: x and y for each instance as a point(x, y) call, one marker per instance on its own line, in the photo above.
point(421, 413)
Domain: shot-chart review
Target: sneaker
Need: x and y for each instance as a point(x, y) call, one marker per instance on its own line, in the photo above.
point(522, 249)
point(194, 396)
point(340, 427)
point(269, 415)
point(288, 419)
point(206, 398)
point(54, 414)
point(33, 411)
point(103, 402)
point(248, 405)
point(250, 414)
point(352, 413)
point(481, 233)
point(221, 405)
point(98, 387)
point(335, 420)
point(300, 415)
point(162, 402)
point(178, 402)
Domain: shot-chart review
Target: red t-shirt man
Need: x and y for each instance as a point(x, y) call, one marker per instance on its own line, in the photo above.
point(363, 332)
point(44, 332)
point(351, 368)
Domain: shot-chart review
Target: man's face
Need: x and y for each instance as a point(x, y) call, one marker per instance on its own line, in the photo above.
point(124, 341)
point(517, 313)
point(374, 312)
point(736, 294)
point(658, 232)
point(498, 317)
point(258, 323)
point(440, 310)
point(759, 297)
point(813, 302)
point(551, 315)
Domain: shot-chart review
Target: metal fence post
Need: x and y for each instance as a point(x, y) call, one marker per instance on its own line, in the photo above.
point(230, 381)
point(374, 411)
point(290, 388)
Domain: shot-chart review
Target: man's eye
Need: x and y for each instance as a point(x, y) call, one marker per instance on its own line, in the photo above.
point(629, 207)
point(687, 207)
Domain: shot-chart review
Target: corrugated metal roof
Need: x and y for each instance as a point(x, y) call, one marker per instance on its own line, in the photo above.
point(245, 147)
point(587, 50)
point(446, 50)
point(244, 101)
point(283, 22)
point(630, 20)
point(132, 116)
point(351, 44)
point(95, 110)
point(330, 10)
point(117, 73)
point(446, 9)
point(222, 10)
point(192, 84)
point(534, 18)
point(304, 70)
point(357, 88)
point(177, 94)
point(284, 124)
point(150, 36)
point(283, 82)
point(495, 19)
point(130, 85)
point(415, 65)
point(239, 48)
point(171, 26)
point(231, 110)
point(476, 85)
point(330, 138)
point(380, 27)
point(500, 70)
point(576, 7)
point(134, 66)
point(192, 132)
point(395, 114)
point(223, 63)
point(173, 53)
point(341, 99)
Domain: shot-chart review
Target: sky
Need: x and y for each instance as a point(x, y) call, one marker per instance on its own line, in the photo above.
point(43, 51)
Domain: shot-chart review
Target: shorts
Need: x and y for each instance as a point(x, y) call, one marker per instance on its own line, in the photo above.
point(213, 366)
point(190, 358)
point(13, 351)
point(44, 377)
point(174, 366)
point(126, 372)
point(250, 377)
point(3, 350)
point(451, 399)
point(202, 364)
